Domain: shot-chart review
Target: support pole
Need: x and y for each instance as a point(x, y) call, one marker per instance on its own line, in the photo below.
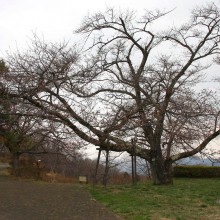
point(132, 168)
point(134, 162)
point(135, 168)
point(97, 166)
point(105, 177)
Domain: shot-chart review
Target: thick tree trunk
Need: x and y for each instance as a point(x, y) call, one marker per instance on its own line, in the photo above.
point(161, 172)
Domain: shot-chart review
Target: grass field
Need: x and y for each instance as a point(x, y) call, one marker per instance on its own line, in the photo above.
point(186, 199)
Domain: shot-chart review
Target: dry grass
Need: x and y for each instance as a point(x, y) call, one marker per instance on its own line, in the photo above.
point(57, 178)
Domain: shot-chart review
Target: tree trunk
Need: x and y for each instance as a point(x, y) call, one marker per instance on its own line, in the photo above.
point(15, 164)
point(161, 172)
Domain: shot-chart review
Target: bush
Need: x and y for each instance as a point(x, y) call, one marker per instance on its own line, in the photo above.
point(197, 171)
point(5, 172)
point(58, 178)
point(28, 168)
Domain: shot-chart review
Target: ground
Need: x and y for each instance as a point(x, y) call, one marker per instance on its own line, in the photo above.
point(25, 200)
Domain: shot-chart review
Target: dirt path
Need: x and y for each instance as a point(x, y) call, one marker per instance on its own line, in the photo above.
point(27, 200)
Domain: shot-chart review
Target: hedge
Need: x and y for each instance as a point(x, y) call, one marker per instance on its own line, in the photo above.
point(196, 171)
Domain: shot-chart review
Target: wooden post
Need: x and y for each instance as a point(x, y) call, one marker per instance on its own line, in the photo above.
point(132, 168)
point(105, 177)
point(134, 162)
point(135, 168)
point(97, 166)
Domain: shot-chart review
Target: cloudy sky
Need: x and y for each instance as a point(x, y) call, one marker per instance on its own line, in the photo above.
point(56, 19)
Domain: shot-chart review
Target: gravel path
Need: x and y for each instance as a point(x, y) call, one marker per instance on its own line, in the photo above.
point(28, 200)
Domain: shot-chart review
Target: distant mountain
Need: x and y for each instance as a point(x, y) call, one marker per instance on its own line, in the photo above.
point(197, 161)
point(141, 165)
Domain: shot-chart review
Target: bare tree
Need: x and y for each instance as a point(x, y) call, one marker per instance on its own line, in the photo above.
point(24, 132)
point(157, 88)
point(120, 88)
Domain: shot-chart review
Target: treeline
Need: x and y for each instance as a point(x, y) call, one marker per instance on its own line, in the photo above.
point(59, 168)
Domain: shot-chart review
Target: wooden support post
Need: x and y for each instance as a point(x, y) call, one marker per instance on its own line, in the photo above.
point(97, 166)
point(132, 168)
point(134, 162)
point(105, 177)
point(135, 169)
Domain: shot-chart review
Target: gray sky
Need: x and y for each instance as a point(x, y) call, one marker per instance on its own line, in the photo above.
point(56, 19)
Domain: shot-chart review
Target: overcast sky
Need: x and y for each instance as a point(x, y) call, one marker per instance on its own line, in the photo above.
point(56, 19)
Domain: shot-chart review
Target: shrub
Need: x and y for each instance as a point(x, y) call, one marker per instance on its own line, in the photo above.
point(197, 171)
point(5, 172)
point(56, 177)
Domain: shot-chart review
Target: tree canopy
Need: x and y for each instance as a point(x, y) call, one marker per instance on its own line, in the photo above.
point(129, 81)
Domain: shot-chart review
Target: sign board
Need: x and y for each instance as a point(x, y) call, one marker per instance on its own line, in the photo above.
point(82, 179)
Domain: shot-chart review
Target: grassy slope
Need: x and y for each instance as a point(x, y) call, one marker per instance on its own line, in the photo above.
point(187, 199)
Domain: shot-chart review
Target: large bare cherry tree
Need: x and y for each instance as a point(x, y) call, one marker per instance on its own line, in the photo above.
point(127, 82)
